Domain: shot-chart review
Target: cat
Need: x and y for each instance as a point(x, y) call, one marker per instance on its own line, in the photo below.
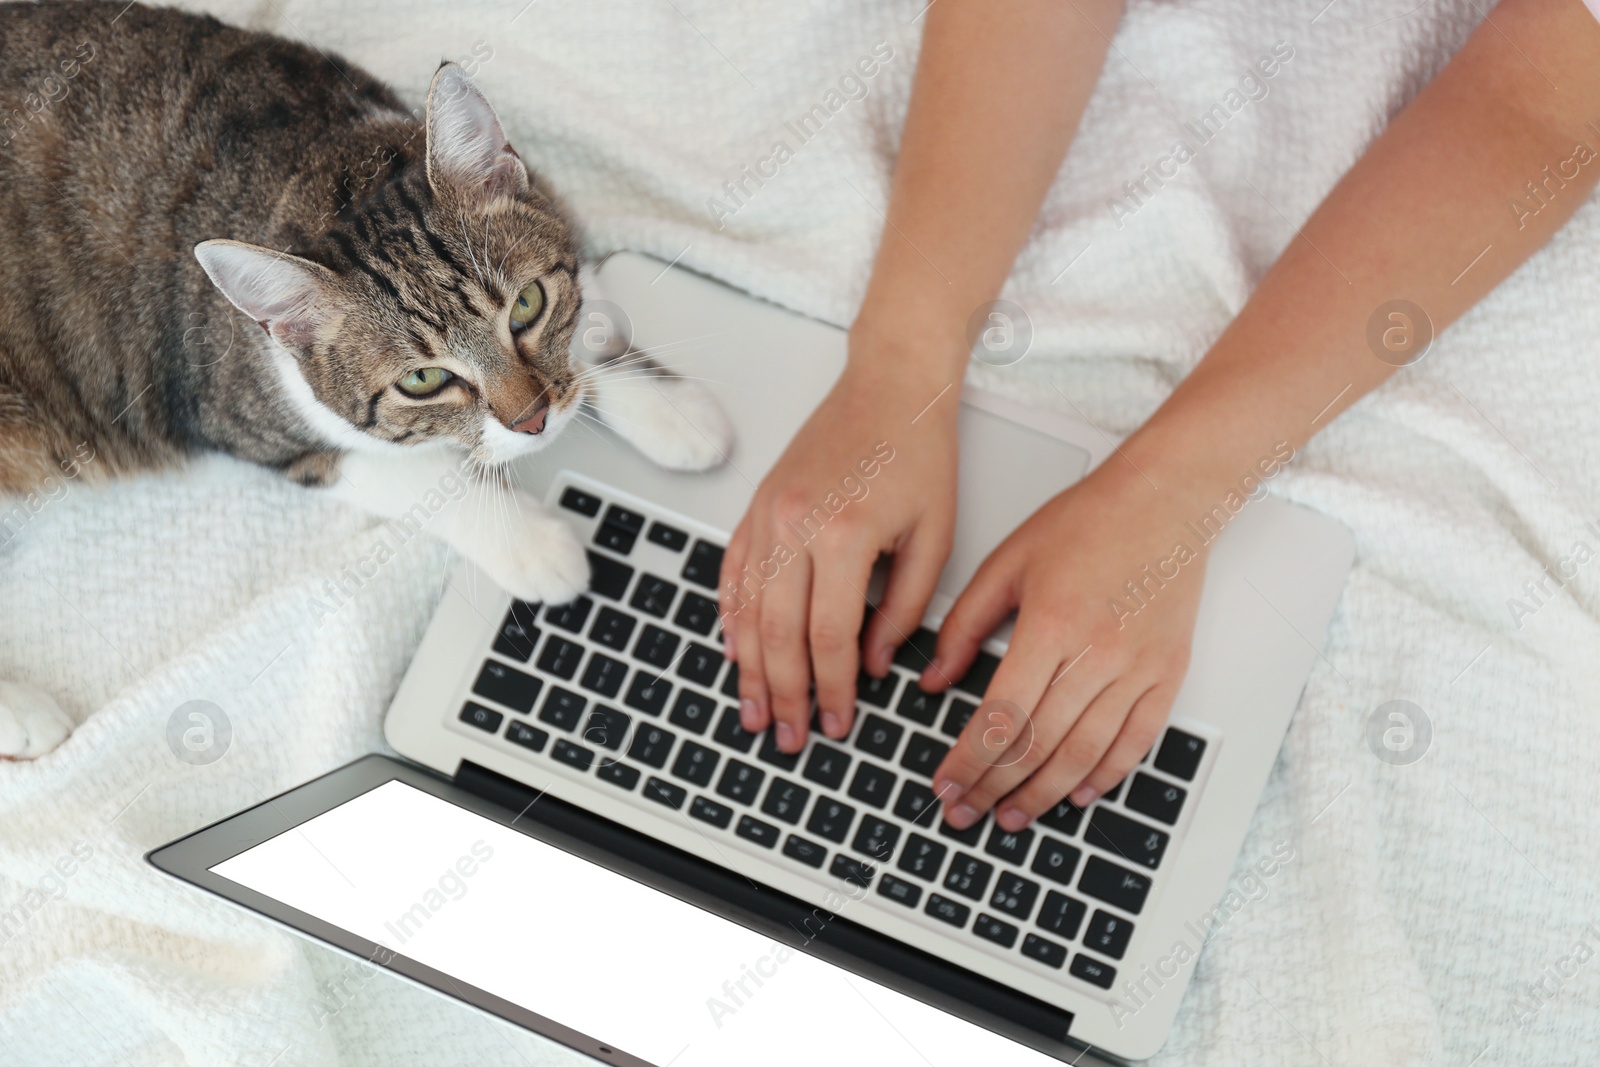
point(215, 240)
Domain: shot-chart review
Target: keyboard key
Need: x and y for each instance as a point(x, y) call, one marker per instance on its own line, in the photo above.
point(876, 838)
point(922, 857)
point(647, 692)
point(704, 565)
point(879, 736)
point(730, 682)
point(1014, 894)
point(851, 870)
point(1131, 839)
point(563, 709)
point(1115, 791)
point(808, 852)
point(651, 744)
point(752, 829)
point(826, 765)
point(612, 628)
point(1093, 971)
point(955, 720)
point(1010, 847)
point(618, 774)
point(570, 616)
point(946, 910)
point(615, 538)
point(1061, 914)
point(573, 755)
point(969, 876)
point(831, 819)
point(696, 763)
point(970, 836)
point(656, 647)
point(604, 675)
point(517, 634)
point(664, 792)
point(872, 785)
point(1055, 860)
point(917, 652)
point(730, 733)
point(1065, 817)
point(606, 728)
point(976, 680)
point(697, 613)
point(692, 711)
point(917, 804)
point(560, 657)
point(771, 753)
point(607, 577)
point(481, 717)
point(919, 706)
point(1115, 885)
point(997, 930)
point(623, 518)
point(700, 664)
point(786, 800)
point(575, 499)
point(507, 686)
point(876, 691)
point(1107, 934)
point(1180, 754)
point(653, 596)
point(520, 733)
point(1046, 952)
point(668, 537)
point(923, 755)
point(900, 891)
point(741, 782)
point(718, 815)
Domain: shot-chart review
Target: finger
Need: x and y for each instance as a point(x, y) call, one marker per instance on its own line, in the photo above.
point(754, 709)
point(781, 629)
point(1138, 734)
point(1083, 747)
point(837, 603)
point(733, 592)
point(981, 607)
point(912, 579)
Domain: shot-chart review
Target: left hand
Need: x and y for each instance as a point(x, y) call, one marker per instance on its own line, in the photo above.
point(1084, 689)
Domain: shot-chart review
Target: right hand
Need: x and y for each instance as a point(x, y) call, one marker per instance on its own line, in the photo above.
point(794, 578)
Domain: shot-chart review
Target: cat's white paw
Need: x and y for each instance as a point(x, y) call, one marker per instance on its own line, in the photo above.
point(674, 422)
point(533, 555)
point(31, 722)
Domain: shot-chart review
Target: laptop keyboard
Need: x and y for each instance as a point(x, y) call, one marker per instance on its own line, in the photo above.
point(628, 684)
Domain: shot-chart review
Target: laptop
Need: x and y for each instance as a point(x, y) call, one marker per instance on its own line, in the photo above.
point(578, 836)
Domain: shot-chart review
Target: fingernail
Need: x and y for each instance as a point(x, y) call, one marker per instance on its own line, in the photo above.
point(1084, 795)
point(831, 724)
point(785, 735)
point(749, 715)
point(947, 791)
point(932, 674)
point(962, 816)
point(1012, 819)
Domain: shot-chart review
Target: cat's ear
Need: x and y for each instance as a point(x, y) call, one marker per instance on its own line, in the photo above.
point(467, 146)
point(287, 295)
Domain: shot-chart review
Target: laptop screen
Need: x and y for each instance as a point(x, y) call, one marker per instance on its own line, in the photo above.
point(620, 961)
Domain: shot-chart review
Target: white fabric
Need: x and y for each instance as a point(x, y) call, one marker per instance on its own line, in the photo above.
point(1422, 901)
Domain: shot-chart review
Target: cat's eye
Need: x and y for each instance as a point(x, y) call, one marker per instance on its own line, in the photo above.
point(424, 382)
point(527, 307)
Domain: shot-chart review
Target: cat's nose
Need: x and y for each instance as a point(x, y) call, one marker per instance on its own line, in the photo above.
point(533, 423)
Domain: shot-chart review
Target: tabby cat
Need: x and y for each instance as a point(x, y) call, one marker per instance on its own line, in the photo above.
point(217, 240)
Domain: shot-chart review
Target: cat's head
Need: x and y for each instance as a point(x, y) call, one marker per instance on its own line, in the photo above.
point(438, 308)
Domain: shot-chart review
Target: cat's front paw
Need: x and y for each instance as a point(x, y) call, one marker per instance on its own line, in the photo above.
point(674, 422)
point(534, 557)
point(31, 722)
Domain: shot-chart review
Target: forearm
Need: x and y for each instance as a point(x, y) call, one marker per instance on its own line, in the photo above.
point(1427, 215)
point(1000, 88)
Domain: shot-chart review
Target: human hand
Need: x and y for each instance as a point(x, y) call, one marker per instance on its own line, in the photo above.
point(1083, 690)
point(872, 471)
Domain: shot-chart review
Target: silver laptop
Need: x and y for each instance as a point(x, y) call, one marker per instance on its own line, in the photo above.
point(585, 842)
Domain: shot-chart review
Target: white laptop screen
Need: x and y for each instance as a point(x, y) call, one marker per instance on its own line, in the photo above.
point(620, 961)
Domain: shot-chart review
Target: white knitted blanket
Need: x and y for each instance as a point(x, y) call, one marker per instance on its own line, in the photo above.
point(1436, 913)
